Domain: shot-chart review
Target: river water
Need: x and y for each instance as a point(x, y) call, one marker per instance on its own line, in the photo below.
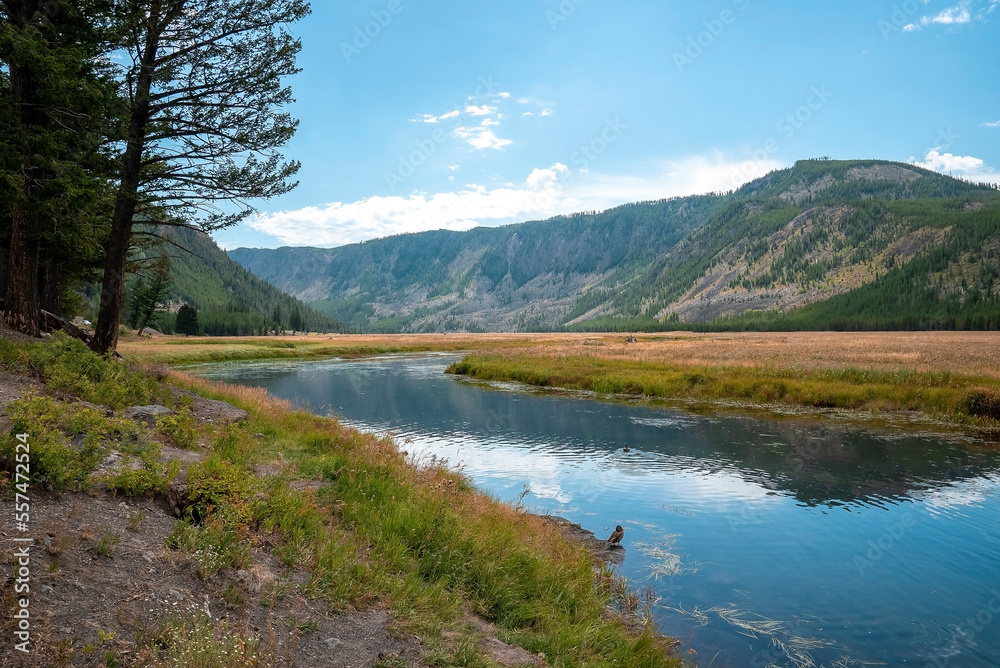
point(784, 542)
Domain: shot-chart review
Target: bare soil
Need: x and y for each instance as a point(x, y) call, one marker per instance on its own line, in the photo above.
point(76, 592)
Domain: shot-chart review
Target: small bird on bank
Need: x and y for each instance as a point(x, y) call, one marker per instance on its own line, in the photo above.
point(626, 449)
point(616, 536)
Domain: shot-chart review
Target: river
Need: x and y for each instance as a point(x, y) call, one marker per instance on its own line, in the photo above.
point(784, 542)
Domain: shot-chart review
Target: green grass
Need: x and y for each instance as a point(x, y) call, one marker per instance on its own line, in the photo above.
point(422, 543)
point(971, 401)
point(180, 353)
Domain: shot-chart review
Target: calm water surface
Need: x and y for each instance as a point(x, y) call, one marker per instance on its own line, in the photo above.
point(785, 543)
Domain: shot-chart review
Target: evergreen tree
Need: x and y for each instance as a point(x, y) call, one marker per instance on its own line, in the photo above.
point(56, 102)
point(148, 296)
point(205, 123)
point(295, 320)
point(187, 320)
point(277, 317)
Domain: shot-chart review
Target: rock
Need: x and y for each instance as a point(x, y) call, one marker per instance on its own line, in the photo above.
point(213, 410)
point(332, 642)
point(147, 414)
point(47, 589)
point(77, 442)
point(509, 655)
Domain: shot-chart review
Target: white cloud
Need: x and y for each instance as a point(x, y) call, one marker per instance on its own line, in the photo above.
point(482, 138)
point(485, 110)
point(963, 166)
point(995, 124)
point(544, 193)
point(960, 14)
point(544, 179)
point(431, 118)
point(503, 95)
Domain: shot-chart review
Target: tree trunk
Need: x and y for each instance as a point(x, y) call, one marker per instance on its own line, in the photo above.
point(4, 264)
point(117, 247)
point(22, 306)
point(113, 286)
point(52, 287)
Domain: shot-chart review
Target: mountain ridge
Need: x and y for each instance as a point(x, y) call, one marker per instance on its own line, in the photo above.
point(794, 237)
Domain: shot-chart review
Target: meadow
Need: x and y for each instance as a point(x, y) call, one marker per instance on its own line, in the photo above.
point(950, 376)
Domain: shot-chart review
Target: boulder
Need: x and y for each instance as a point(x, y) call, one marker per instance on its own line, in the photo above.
point(147, 414)
point(212, 410)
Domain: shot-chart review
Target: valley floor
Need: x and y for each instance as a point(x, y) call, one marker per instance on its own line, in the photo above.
point(951, 379)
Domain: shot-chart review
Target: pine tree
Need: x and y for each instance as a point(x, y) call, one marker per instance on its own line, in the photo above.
point(295, 320)
point(277, 317)
point(56, 102)
point(205, 124)
point(148, 296)
point(187, 321)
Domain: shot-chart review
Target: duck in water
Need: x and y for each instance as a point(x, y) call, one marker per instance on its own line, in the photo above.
point(626, 449)
point(616, 536)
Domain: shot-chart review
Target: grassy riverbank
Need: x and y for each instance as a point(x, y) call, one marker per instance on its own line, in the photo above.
point(177, 350)
point(964, 400)
point(366, 528)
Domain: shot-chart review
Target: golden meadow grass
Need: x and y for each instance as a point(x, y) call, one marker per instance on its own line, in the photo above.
point(952, 375)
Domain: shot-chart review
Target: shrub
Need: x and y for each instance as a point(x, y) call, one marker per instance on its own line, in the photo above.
point(179, 429)
point(982, 403)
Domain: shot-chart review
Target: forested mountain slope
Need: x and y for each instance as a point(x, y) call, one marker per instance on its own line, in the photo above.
point(230, 299)
point(873, 241)
point(819, 230)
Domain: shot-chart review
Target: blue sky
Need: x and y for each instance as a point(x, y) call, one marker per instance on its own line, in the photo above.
point(436, 114)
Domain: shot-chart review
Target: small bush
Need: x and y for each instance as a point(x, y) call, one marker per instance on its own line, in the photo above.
point(179, 429)
point(67, 364)
point(218, 487)
point(52, 427)
point(142, 476)
point(211, 547)
point(982, 403)
point(105, 546)
point(195, 641)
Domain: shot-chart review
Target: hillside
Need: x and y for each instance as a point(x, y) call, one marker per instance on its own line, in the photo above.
point(230, 299)
point(512, 278)
point(847, 244)
point(824, 230)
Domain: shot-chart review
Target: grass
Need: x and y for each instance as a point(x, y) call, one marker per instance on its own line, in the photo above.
point(177, 350)
point(970, 400)
point(378, 533)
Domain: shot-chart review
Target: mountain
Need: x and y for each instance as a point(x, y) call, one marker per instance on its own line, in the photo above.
point(515, 277)
point(847, 244)
point(230, 299)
